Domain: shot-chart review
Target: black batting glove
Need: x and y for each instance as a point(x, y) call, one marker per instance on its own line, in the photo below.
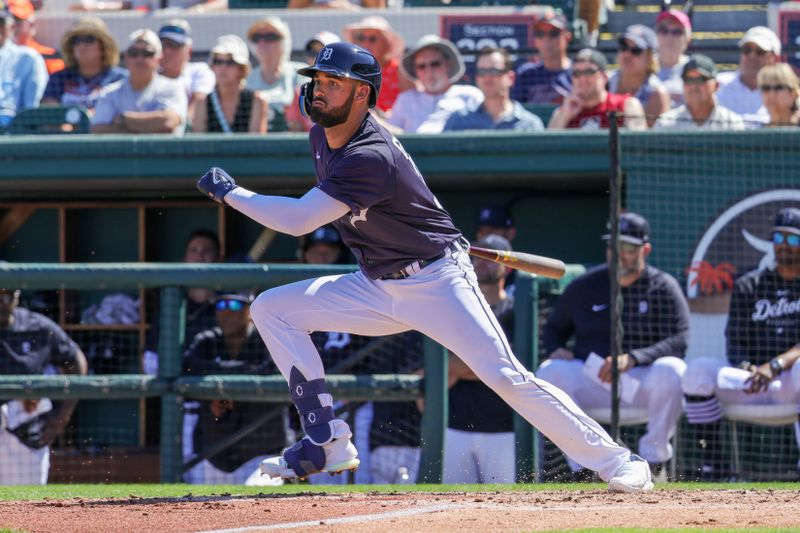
point(215, 184)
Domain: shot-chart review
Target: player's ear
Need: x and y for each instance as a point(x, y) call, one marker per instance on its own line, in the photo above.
point(363, 91)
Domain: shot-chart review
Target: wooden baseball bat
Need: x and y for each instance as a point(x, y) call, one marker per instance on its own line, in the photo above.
point(535, 264)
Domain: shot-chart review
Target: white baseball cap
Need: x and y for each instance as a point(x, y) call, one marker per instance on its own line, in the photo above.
point(148, 37)
point(233, 45)
point(762, 37)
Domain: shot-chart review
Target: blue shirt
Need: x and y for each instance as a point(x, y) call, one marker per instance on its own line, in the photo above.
point(70, 88)
point(478, 119)
point(537, 85)
point(394, 218)
point(23, 77)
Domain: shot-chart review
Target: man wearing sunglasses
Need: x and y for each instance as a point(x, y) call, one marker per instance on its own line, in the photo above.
point(655, 321)
point(494, 76)
point(414, 274)
point(762, 344)
point(548, 80)
point(146, 102)
point(589, 103)
point(29, 344)
point(435, 64)
point(701, 110)
point(233, 346)
point(739, 90)
point(196, 77)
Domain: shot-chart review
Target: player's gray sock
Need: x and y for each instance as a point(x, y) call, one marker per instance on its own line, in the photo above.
point(315, 406)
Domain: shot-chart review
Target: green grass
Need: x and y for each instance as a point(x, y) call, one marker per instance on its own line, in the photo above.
point(55, 492)
point(683, 529)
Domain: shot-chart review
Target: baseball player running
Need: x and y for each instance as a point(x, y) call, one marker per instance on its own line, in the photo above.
point(415, 273)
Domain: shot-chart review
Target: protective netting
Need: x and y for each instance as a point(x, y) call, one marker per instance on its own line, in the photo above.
point(716, 208)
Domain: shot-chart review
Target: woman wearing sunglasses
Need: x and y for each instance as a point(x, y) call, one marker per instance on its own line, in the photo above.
point(276, 76)
point(91, 56)
point(780, 91)
point(674, 33)
point(637, 72)
point(231, 107)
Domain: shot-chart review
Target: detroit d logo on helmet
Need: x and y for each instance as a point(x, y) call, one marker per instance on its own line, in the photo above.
point(326, 54)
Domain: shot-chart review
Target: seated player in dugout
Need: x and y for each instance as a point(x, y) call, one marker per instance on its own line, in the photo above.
point(232, 346)
point(414, 274)
point(655, 321)
point(762, 343)
point(31, 343)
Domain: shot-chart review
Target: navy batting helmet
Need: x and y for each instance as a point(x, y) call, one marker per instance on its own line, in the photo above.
point(346, 60)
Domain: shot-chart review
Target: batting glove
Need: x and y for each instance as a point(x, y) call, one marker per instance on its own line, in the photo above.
point(215, 184)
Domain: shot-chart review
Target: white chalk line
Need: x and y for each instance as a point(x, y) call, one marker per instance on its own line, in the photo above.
point(344, 520)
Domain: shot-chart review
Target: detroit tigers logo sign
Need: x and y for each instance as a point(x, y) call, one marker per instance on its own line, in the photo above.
point(737, 241)
point(326, 54)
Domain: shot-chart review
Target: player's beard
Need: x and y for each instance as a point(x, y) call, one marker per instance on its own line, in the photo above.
point(333, 116)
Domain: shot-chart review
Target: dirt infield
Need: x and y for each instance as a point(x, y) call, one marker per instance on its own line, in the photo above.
point(428, 512)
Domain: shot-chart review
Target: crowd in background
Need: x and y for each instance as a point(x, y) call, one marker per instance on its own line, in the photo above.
point(250, 84)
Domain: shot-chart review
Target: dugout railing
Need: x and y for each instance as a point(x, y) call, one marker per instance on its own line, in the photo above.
point(171, 386)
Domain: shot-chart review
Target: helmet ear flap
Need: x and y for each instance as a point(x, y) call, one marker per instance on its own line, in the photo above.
point(306, 97)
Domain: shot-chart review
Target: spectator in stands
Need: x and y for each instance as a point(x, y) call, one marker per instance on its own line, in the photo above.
point(233, 346)
point(762, 347)
point(275, 75)
point(91, 56)
point(374, 34)
point(146, 102)
point(22, 71)
point(435, 64)
point(315, 44)
point(547, 81)
point(588, 105)
point(347, 5)
point(479, 445)
point(231, 107)
point(739, 90)
point(701, 110)
point(494, 75)
point(674, 33)
point(780, 91)
point(31, 343)
point(655, 321)
point(196, 77)
point(637, 71)
point(25, 30)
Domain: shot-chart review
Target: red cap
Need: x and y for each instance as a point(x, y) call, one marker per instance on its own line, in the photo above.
point(21, 9)
point(678, 16)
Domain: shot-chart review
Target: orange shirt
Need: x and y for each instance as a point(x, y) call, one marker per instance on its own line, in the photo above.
point(51, 58)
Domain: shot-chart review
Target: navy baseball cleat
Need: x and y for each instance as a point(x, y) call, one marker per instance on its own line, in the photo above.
point(633, 476)
point(215, 184)
point(306, 458)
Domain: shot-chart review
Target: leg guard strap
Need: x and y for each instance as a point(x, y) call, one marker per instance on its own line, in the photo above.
point(305, 458)
point(315, 406)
